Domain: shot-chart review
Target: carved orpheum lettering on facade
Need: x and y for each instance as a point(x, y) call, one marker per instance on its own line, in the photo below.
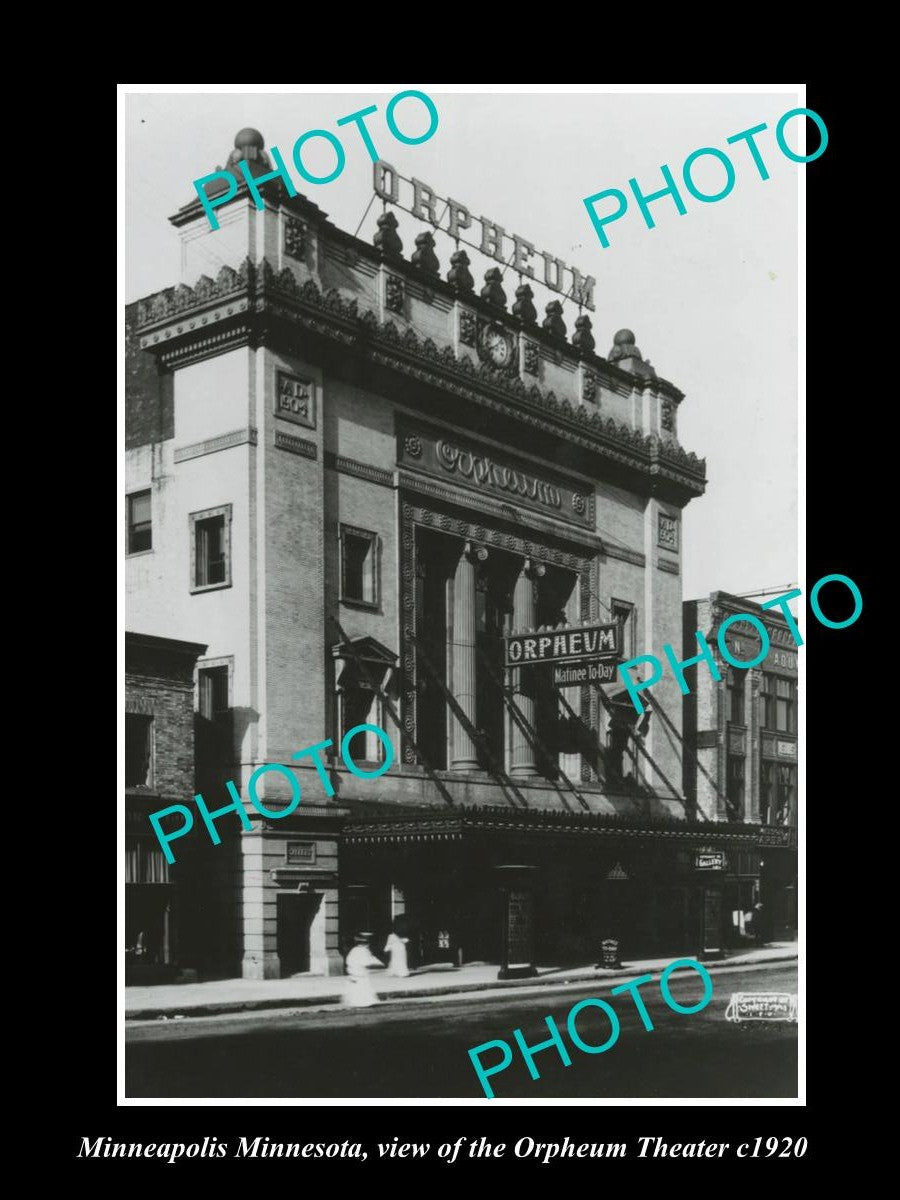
point(452, 459)
point(295, 399)
point(490, 474)
point(426, 205)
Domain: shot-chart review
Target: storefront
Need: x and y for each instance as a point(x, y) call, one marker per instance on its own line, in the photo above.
point(159, 770)
point(744, 766)
point(656, 887)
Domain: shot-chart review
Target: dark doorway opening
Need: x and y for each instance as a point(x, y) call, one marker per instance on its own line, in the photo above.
point(295, 912)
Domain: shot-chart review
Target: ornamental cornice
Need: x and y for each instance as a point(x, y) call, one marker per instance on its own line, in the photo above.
point(180, 324)
point(475, 818)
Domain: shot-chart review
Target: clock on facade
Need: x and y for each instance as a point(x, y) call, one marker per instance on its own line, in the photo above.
point(496, 346)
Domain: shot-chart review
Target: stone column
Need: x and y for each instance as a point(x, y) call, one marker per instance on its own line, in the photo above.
point(324, 953)
point(752, 772)
point(463, 755)
point(259, 909)
point(521, 758)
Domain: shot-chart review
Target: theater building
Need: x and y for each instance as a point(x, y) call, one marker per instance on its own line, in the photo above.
point(365, 471)
point(744, 732)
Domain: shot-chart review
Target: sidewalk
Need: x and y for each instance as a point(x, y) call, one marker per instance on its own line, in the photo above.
point(237, 995)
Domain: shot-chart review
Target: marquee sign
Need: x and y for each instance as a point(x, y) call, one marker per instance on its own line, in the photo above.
point(576, 644)
point(427, 205)
point(593, 671)
point(709, 860)
point(778, 835)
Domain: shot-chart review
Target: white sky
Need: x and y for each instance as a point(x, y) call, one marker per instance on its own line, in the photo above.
point(712, 295)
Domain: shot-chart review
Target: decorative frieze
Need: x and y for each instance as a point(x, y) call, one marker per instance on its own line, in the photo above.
point(468, 327)
point(361, 470)
point(225, 441)
point(273, 293)
point(294, 237)
point(393, 293)
point(295, 445)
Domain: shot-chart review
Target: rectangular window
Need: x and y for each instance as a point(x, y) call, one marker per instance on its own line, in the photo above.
point(785, 706)
point(211, 548)
point(767, 702)
point(361, 706)
point(778, 704)
point(213, 693)
point(145, 862)
point(623, 612)
point(787, 795)
point(735, 786)
point(138, 750)
point(359, 566)
point(736, 693)
point(140, 533)
point(768, 803)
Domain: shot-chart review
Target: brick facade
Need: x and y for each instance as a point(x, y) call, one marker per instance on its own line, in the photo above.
point(159, 689)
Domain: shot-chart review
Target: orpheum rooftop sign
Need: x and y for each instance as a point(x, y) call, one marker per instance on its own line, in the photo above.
point(510, 249)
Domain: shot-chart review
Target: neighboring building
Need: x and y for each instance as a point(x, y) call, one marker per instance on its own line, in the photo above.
point(744, 729)
point(159, 771)
point(322, 431)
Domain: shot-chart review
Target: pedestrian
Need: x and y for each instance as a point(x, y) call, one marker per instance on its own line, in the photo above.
point(395, 948)
point(360, 991)
point(759, 923)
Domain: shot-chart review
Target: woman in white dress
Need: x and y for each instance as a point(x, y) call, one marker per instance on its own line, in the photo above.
point(360, 992)
point(395, 948)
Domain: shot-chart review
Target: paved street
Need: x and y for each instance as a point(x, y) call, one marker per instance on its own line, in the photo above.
point(419, 1048)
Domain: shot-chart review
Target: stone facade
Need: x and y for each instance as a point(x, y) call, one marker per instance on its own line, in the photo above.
point(313, 383)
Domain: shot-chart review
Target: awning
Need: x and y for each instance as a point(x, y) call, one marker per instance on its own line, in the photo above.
point(439, 825)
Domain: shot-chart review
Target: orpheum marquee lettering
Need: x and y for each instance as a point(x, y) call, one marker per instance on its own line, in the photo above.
point(563, 645)
point(450, 458)
point(424, 206)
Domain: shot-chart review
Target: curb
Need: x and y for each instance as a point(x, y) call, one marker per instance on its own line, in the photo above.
point(226, 1006)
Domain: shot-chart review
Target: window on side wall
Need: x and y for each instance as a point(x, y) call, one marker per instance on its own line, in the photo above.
point(138, 750)
point(735, 786)
point(140, 529)
point(787, 794)
point(785, 706)
point(736, 684)
point(768, 805)
point(624, 613)
point(359, 705)
point(359, 566)
point(211, 548)
point(212, 688)
point(767, 702)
